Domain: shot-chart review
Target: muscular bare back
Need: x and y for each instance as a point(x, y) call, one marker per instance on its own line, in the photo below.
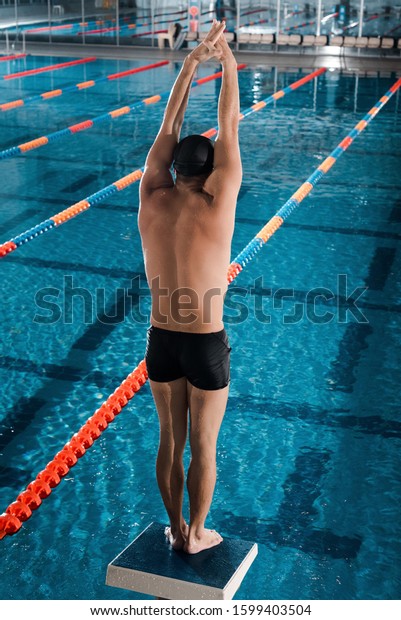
point(186, 238)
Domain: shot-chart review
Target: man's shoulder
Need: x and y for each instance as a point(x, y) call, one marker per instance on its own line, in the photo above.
point(153, 197)
point(153, 181)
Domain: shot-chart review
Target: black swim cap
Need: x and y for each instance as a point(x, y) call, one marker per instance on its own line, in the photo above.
point(193, 156)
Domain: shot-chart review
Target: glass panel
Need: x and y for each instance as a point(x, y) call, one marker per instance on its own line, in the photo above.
point(20, 15)
point(50, 20)
point(140, 25)
point(221, 9)
point(143, 21)
point(138, 22)
point(367, 18)
point(256, 19)
point(393, 25)
point(83, 21)
point(97, 22)
point(129, 18)
point(8, 24)
point(307, 18)
point(377, 19)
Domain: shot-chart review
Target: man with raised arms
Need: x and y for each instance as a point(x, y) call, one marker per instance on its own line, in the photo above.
point(186, 226)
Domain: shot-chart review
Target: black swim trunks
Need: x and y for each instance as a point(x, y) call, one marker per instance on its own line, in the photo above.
point(204, 359)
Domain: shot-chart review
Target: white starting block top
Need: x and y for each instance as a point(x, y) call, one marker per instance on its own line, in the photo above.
point(150, 566)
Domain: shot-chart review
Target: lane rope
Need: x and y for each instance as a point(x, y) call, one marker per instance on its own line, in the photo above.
point(40, 488)
point(62, 65)
point(51, 94)
point(37, 143)
point(12, 57)
point(121, 184)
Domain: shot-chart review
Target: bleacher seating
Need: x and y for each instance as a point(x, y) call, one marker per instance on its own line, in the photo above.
point(285, 40)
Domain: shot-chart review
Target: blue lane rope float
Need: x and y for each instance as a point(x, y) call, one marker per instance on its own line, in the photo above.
point(83, 205)
point(31, 498)
point(36, 143)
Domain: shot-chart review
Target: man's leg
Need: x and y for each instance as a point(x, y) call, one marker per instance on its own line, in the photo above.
point(207, 409)
point(172, 407)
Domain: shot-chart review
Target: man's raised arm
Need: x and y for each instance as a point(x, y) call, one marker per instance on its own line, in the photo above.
point(160, 157)
point(227, 173)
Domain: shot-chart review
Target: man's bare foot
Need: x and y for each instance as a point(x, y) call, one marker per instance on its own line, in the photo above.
point(205, 540)
point(178, 538)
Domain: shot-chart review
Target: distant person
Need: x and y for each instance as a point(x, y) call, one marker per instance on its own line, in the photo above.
point(186, 226)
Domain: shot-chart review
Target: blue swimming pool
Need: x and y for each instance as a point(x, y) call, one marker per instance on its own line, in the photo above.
point(308, 456)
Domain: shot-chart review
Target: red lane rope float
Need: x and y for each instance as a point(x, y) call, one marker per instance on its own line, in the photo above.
point(30, 499)
point(116, 76)
point(50, 94)
point(36, 143)
point(62, 65)
point(12, 57)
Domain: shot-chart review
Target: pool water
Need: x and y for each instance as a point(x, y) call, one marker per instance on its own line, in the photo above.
point(308, 455)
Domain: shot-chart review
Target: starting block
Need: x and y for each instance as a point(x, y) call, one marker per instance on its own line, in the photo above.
point(150, 566)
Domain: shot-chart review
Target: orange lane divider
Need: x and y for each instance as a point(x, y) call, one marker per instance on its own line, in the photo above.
point(40, 488)
point(62, 65)
point(51, 94)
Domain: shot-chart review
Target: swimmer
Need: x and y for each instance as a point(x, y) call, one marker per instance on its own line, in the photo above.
point(186, 225)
